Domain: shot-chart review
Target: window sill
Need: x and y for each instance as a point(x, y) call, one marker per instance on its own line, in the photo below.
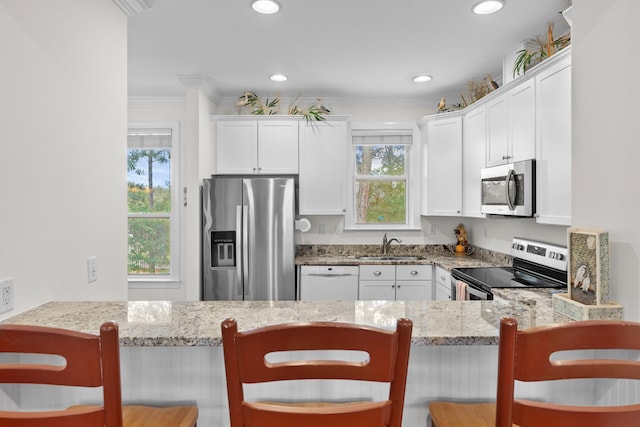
point(153, 283)
point(401, 227)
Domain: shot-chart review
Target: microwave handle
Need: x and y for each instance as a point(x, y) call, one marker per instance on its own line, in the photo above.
point(510, 177)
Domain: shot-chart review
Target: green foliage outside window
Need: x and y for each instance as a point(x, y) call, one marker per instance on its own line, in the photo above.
point(149, 231)
point(381, 200)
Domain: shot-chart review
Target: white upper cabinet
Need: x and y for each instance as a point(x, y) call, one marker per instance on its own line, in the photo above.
point(553, 148)
point(511, 122)
point(256, 146)
point(442, 191)
point(473, 160)
point(323, 166)
point(236, 146)
point(530, 118)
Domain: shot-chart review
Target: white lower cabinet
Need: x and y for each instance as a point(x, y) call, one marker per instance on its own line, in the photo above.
point(443, 284)
point(395, 282)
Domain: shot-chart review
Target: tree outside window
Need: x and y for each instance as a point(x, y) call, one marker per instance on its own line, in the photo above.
point(380, 188)
point(149, 179)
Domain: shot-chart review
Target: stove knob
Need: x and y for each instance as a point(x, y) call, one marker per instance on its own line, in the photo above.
point(559, 257)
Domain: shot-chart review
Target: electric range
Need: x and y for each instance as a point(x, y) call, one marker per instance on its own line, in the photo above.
point(535, 265)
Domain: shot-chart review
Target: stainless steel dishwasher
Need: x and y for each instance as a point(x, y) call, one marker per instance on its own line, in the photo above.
point(328, 282)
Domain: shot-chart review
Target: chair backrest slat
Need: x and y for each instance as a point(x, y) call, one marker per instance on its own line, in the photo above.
point(532, 355)
point(87, 361)
point(386, 357)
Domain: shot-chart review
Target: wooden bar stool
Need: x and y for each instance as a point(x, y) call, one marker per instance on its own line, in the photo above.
point(90, 361)
point(245, 356)
point(526, 356)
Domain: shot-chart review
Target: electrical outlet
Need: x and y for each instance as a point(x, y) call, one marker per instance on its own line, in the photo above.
point(92, 269)
point(432, 229)
point(6, 294)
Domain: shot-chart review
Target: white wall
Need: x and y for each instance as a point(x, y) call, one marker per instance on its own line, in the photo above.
point(606, 147)
point(62, 150)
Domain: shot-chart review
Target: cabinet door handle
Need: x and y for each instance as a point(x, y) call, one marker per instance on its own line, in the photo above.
point(393, 286)
point(442, 278)
point(414, 273)
point(377, 273)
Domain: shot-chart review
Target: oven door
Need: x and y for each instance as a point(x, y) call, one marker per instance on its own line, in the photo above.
point(472, 292)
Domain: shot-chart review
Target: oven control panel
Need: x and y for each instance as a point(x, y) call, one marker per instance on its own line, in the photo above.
point(547, 254)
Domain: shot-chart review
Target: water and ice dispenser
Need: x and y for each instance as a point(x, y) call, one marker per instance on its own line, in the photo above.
point(223, 249)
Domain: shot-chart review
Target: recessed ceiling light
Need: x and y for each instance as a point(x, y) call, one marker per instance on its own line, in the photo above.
point(266, 7)
point(487, 6)
point(422, 79)
point(278, 78)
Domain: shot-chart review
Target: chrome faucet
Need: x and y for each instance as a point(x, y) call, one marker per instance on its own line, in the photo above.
point(387, 242)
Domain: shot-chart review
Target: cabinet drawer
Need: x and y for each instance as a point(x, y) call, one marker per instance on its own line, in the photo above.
point(443, 277)
point(414, 272)
point(377, 272)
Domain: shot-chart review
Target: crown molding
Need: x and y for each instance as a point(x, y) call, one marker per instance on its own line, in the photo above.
point(133, 7)
point(202, 82)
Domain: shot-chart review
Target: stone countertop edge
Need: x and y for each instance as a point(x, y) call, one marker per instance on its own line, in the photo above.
point(197, 323)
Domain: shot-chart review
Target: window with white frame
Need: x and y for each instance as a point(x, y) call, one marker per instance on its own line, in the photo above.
point(152, 162)
point(381, 177)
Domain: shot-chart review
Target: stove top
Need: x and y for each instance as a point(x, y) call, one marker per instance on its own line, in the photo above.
point(535, 265)
point(502, 277)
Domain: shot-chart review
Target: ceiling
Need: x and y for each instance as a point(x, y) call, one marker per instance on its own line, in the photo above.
point(342, 49)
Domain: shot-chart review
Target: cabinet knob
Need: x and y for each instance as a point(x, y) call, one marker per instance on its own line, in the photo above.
point(442, 278)
point(377, 273)
point(414, 273)
point(393, 286)
point(398, 286)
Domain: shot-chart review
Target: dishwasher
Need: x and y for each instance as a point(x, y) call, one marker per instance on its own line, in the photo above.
point(325, 282)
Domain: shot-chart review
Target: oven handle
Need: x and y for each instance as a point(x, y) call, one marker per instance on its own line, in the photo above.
point(476, 292)
point(471, 290)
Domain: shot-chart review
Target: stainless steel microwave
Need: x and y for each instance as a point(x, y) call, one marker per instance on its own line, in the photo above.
point(509, 189)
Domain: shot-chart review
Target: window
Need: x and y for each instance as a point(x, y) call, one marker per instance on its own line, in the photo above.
point(152, 202)
point(381, 174)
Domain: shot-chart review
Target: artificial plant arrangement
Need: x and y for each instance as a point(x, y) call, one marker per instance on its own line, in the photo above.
point(543, 49)
point(269, 107)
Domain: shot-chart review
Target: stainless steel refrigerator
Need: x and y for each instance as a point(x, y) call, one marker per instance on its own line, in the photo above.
point(248, 238)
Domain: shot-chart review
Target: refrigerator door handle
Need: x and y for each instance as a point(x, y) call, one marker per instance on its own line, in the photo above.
point(239, 250)
point(245, 249)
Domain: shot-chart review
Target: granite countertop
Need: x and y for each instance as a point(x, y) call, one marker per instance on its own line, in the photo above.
point(448, 262)
point(167, 323)
point(428, 255)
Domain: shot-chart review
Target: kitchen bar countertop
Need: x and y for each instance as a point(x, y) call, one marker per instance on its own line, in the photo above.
point(168, 323)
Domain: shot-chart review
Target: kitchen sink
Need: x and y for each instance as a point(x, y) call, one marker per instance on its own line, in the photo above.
point(389, 258)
